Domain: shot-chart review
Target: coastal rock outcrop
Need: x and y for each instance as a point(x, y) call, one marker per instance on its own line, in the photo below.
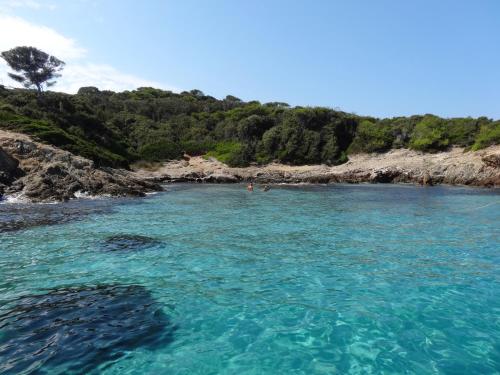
point(220, 178)
point(44, 173)
point(9, 170)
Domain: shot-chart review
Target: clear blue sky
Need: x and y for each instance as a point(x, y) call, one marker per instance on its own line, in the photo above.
point(382, 58)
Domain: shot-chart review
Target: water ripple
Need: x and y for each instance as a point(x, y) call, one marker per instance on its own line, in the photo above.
point(298, 280)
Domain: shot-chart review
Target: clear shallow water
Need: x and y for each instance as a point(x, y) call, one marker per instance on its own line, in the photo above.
point(298, 280)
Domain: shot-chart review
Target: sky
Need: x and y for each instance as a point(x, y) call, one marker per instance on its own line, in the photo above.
point(381, 58)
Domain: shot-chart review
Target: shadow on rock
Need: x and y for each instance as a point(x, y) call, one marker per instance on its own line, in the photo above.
point(128, 242)
point(76, 330)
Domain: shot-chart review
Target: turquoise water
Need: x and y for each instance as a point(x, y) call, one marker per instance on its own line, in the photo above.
point(298, 280)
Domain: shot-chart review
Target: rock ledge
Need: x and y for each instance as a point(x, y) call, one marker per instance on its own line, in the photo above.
point(43, 173)
point(453, 167)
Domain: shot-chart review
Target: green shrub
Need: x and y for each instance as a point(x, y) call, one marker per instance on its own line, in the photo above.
point(47, 132)
point(115, 129)
point(54, 137)
point(402, 129)
point(371, 137)
point(489, 134)
point(231, 153)
point(7, 108)
point(7, 114)
point(291, 142)
point(195, 148)
point(462, 131)
point(430, 135)
point(160, 150)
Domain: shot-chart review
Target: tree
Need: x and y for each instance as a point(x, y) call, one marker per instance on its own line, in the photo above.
point(371, 137)
point(35, 67)
point(430, 135)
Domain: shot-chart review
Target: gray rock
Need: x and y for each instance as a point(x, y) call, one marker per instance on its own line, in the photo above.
point(45, 173)
point(220, 178)
point(492, 160)
point(9, 171)
point(7, 163)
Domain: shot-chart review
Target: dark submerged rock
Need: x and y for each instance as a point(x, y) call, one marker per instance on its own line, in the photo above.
point(76, 330)
point(128, 242)
point(15, 217)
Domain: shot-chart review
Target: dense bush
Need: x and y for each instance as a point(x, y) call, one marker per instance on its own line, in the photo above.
point(462, 131)
point(489, 134)
point(372, 137)
point(48, 132)
point(230, 152)
point(195, 148)
point(430, 135)
point(160, 150)
point(117, 129)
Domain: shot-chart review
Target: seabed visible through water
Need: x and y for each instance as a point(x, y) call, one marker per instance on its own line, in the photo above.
point(211, 279)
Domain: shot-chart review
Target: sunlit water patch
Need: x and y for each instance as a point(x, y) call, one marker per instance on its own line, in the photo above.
point(296, 280)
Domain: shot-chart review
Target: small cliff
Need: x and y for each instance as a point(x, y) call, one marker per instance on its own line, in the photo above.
point(42, 173)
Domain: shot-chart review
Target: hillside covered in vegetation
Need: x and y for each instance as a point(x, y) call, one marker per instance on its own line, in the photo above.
point(116, 129)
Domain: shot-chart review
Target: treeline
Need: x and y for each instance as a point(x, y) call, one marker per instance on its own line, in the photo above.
point(116, 129)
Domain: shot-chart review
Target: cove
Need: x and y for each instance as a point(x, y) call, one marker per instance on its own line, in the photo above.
point(300, 279)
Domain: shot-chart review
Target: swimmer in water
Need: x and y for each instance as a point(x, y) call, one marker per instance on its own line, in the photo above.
point(266, 188)
point(250, 186)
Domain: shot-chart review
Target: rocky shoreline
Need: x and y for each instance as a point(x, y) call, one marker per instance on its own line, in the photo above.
point(36, 172)
point(454, 167)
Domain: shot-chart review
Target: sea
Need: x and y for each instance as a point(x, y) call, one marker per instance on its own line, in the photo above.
point(213, 279)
